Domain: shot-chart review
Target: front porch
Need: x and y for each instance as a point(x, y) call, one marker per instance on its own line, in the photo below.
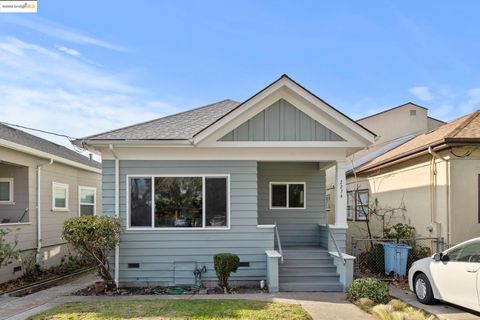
point(308, 255)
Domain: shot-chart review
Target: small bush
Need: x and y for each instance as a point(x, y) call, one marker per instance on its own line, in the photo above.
point(225, 263)
point(8, 251)
point(94, 237)
point(370, 288)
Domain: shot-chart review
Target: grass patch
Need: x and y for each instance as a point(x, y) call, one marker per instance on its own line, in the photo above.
point(176, 309)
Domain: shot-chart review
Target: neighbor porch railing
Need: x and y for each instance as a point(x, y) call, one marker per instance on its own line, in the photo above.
point(279, 244)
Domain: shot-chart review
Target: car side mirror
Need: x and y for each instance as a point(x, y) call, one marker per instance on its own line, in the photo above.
point(445, 258)
point(437, 256)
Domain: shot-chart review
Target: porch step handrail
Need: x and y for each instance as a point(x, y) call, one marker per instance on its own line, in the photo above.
point(279, 244)
point(340, 254)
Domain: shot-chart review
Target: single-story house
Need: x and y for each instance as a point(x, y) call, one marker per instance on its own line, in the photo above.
point(246, 178)
point(41, 185)
point(433, 177)
point(393, 127)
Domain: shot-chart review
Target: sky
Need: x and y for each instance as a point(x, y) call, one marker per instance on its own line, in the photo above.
point(84, 67)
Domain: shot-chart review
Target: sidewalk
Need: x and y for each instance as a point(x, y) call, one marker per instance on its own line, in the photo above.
point(10, 307)
point(442, 311)
point(320, 305)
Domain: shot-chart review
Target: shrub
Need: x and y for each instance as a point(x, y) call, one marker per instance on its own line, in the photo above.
point(94, 237)
point(370, 288)
point(8, 252)
point(225, 263)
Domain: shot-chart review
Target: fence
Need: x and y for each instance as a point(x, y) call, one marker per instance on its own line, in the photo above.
point(373, 260)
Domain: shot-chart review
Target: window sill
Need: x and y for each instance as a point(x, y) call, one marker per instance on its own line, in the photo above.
point(11, 203)
point(176, 229)
point(60, 210)
point(15, 224)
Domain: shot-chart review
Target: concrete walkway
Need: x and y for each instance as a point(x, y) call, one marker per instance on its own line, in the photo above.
point(320, 305)
point(441, 310)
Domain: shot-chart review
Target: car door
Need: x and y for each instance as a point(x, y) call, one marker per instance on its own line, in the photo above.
point(456, 277)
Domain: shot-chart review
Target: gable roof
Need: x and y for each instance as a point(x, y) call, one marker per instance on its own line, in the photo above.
point(189, 124)
point(460, 131)
point(397, 107)
point(25, 139)
point(180, 126)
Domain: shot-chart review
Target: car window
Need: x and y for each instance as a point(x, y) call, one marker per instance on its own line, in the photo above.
point(467, 253)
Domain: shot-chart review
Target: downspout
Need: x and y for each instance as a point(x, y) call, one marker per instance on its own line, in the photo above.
point(117, 209)
point(39, 210)
point(433, 185)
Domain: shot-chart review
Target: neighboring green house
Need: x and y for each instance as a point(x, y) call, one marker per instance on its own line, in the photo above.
point(221, 178)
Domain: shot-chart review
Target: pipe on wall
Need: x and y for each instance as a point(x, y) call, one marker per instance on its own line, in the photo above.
point(117, 209)
point(39, 209)
point(433, 186)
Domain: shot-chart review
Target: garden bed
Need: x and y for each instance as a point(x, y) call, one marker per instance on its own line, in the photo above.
point(130, 291)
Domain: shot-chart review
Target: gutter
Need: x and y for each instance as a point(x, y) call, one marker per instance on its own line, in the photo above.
point(117, 209)
point(39, 211)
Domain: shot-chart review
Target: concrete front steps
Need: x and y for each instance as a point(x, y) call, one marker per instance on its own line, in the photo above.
point(307, 268)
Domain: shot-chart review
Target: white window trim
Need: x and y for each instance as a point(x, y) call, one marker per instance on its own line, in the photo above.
point(11, 193)
point(157, 229)
point(288, 186)
point(63, 185)
point(87, 204)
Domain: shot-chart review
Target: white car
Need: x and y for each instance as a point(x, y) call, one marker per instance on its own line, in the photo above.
point(451, 276)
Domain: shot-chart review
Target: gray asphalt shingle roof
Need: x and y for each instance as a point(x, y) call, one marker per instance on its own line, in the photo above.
point(180, 126)
point(28, 140)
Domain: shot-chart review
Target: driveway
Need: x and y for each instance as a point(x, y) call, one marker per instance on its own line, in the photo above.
point(441, 310)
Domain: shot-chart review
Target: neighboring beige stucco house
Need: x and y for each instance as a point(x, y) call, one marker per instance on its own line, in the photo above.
point(63, 174)
point(407, 185)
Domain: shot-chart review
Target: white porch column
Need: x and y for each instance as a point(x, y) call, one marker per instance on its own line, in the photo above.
point(340, 195)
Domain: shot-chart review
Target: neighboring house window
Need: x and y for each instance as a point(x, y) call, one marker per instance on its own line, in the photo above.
point(361, 207)
point(179, 202)
point(87, 198)
point(327, 202)
point(6, 190)
point(350, 205)
point(60, 196)
point(287, 195)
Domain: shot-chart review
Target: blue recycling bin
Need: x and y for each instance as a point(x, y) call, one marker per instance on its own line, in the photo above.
point(396, 256)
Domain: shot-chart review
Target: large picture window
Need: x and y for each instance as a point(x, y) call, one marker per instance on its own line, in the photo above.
point(178, 202)
point(287, 195)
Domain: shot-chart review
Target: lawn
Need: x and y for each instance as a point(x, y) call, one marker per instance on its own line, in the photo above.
point(176, 309)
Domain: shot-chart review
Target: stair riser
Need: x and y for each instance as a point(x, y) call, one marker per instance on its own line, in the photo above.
point(307, 279)
point(302, 255)
point(308, 272)
point(311, 287)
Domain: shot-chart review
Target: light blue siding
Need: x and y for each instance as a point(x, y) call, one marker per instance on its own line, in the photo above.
point(157, 250)
point(281, 122)
point(296, 226)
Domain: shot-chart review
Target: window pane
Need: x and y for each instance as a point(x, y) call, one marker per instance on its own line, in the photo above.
point(216, 202)
point(4, 191)
point(279, 195)
point(141, 202)
point(362, 205)
point(467, 253)
point(86, 210)
point(350, 205)
point(296, 195)
point(87, 196)
point(178, 202)
point(60, 194)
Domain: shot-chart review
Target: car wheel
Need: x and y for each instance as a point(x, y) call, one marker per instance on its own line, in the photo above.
point(423, 289)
